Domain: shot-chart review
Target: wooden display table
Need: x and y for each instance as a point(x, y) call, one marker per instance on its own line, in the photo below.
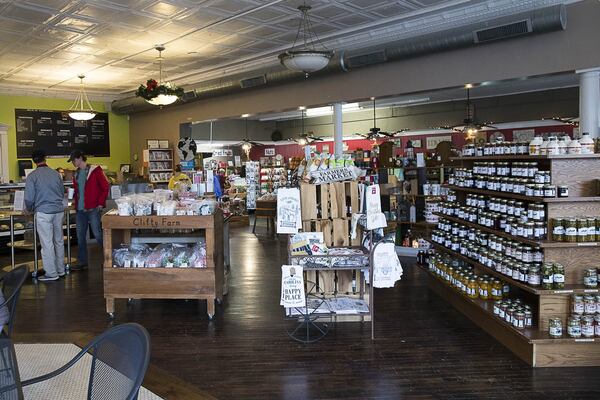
point(164, 283)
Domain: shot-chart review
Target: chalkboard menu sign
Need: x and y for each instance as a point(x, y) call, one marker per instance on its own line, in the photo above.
point(58, 134)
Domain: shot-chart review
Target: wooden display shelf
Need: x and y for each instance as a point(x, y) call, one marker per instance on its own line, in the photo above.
point(160, 170)
point(164, 283)
point(534, 347)
point(569, 289)
point(515, 196)
point(517, 157)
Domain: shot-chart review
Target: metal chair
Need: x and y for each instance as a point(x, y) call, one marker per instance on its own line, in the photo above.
point(119, 363)
point(12, 282)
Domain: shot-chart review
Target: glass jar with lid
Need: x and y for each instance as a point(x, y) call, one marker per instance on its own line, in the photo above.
point(587, 326)
point(582, 229)
point(528, 318)
point(574, 326)
point(577, 304)
point(590, 278)
point(597, 325)
point(570, 225)
point(558, 230)
point(559, 276)
point(547, 276)
point(519, 320)
point(472, 288)
point(497, 289)
point(555, 327)
point(523, 273)
point(591, 234)
point(484, 290)
point(508, 316)
point(534, 276)
point(589, 301)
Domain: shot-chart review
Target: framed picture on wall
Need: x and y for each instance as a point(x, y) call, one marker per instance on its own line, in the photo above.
point(433, 141)
point(152, 144)
point(270, 152)
point(163, 144)
point(417, 143)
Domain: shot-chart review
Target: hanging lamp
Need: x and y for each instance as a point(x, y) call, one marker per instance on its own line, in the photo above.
point(156, 92)
point(78, 110)
point(311, 55)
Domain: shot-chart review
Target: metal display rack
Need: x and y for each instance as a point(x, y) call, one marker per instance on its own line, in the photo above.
point(305, 324)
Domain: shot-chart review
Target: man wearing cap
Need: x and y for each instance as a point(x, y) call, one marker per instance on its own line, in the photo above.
point(91, 190)
point(44, 195)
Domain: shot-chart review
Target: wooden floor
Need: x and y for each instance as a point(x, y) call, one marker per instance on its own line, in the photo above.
point(424, 349)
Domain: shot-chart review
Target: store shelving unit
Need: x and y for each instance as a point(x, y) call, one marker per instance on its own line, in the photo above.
point(534, 345)
point(160, 164)
point(164, 283)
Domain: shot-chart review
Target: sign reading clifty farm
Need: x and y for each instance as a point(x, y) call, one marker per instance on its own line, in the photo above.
point(155, 222)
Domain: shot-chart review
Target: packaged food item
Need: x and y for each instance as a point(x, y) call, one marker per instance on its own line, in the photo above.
point(142, 205)
point(125, 205)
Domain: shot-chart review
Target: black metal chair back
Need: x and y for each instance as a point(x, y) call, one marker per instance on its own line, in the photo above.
point(12, 282)
point(120, 357)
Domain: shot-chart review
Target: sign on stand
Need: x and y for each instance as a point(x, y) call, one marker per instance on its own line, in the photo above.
point(333, 175)
point(292, 286)
point(289, 217)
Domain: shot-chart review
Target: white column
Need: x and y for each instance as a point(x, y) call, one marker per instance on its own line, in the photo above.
point(338, 131)
point(589, 101)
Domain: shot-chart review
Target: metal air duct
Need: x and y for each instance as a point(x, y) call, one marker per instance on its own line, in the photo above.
point(542, 20)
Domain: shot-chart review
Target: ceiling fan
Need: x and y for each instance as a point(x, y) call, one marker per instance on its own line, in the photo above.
point(246, 143)
point(469, 125)
point(305, 138)
point(375, 132)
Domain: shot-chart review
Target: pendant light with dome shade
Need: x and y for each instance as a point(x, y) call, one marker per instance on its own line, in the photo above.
point(311, 55)
point(159, 93)
point(81, 110)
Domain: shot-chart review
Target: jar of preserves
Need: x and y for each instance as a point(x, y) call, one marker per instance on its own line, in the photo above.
point(549, 191)
point(538, 255)
point(528, 318)
point(547, 276)
point(589, 301)
point(559, 276)
point(598, 229)
point(497, 290)
point(508, 316)
point(598, 303)
point(577, 304)
point(539, 230)
point(558, 229)
point(519, 320)
point(555, 327)
point(590, 278)
point(591, 232)
point(534, 276)
point(574, 327)
point(570, 225)
point(472, 288)
point(597, 325)
point(587, 326)
point(484, 290)
point(563, 191)
point(582, 229)
point(523, 273)
point(505, 290)
point(502, 309)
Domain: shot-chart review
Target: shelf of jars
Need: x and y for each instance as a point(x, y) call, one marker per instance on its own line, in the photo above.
point(519, 278)
point(533, 222)
point(493, 310)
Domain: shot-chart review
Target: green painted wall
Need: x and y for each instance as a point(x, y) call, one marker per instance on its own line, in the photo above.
point(118, 126)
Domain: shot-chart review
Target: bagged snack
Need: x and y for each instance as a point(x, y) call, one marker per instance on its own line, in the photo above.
point(142, 205)
point(160, 257)
point(181, 256)
point(197, 256)
point(124, 206)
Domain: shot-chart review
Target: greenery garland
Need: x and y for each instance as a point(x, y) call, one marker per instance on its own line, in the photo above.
point(152, 89)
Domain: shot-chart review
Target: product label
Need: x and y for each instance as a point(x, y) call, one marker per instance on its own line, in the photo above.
point(570, 231)
point(555, 331)
point(587, 330)
point(559, 278)
point(578, 308)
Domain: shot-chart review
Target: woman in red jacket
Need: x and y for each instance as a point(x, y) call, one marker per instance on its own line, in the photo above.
point(91, 190)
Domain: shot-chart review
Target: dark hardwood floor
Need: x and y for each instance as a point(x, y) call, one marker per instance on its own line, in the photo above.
point(424, 349)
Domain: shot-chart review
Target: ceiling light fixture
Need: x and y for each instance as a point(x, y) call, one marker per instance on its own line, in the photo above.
point(78, 111)
point(156, 92)
point(312, 55)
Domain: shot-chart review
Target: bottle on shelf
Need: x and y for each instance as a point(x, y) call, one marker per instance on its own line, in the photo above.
point(574, 147)
point(552, 149)
point(535, 145)
point(587, 143)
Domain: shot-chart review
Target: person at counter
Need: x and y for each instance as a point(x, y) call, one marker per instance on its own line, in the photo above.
point(90, 192)
point(44, 194)
point(178, 176)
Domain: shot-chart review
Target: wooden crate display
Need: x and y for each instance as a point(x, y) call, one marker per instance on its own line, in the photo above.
point(329, 200)
point(164, 283)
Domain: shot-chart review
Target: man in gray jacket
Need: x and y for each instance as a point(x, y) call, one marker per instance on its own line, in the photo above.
point(44, 194)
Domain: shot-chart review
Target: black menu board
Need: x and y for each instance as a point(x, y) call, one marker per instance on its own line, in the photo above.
point(58, 134)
